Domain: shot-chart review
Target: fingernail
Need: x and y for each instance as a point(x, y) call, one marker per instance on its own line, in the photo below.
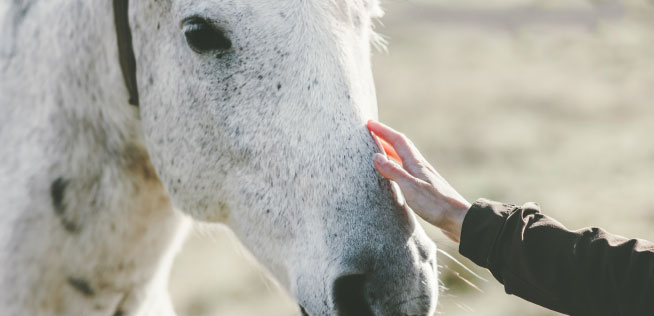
point(378, 158)
point(368, 125)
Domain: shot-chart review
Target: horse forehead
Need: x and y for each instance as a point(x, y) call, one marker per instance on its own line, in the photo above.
point(343, 10)
point(359, 4)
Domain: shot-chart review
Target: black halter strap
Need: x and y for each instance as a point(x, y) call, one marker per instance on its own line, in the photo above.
point(125, 49)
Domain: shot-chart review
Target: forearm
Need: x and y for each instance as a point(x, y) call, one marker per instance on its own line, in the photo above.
point(586, 272)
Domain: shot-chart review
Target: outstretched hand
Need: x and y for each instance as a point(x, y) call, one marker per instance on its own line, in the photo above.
point(425, 191)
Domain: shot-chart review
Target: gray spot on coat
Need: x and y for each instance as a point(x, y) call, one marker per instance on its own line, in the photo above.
point(81, 286)
point(58, 193)
point(57, 190)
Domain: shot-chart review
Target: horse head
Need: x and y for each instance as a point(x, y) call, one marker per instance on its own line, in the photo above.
point(253, 113)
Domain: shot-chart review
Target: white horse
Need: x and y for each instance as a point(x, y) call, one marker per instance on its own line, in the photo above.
point(251, 113)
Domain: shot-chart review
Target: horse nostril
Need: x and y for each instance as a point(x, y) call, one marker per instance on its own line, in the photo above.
point(350, 297)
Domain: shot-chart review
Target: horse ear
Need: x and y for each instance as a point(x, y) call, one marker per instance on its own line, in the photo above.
point(125, 49)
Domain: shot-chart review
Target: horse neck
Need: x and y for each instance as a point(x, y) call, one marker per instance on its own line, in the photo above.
point(65, 85)
point(60, 62)
point(62, 76)
point(85, 206)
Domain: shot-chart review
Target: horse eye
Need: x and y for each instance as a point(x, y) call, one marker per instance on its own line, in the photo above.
point(203, 37)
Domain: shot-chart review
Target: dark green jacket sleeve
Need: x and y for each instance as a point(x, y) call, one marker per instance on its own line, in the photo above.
point(582, 272)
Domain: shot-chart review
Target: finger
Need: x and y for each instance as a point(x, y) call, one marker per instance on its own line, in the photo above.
point(378, 142)
point(390, 151)
point(403, 147)
point(392, 171)
point(385, 148)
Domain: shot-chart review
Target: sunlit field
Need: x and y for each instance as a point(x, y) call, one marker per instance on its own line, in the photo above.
point(513, 100)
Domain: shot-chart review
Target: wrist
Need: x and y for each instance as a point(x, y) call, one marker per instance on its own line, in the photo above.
point(454, 219)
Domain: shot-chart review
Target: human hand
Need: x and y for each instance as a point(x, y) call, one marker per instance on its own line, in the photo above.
point(425, 191)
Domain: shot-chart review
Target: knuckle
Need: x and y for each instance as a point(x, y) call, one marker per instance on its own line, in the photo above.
point(408, 141)
point(390, 166)
point(396, 168)
point(421, 165)
point(403, 142)
point(415, 170)
point(394, 138)
point(385, 166)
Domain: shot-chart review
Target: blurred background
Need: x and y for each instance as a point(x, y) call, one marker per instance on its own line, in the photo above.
point(513, 100)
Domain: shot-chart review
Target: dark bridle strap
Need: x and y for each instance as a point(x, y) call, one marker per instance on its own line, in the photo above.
point(125, 49)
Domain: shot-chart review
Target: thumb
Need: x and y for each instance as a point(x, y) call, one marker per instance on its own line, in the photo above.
point(392, 171)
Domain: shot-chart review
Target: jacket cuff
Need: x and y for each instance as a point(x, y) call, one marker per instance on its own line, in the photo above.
point(481, 226)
